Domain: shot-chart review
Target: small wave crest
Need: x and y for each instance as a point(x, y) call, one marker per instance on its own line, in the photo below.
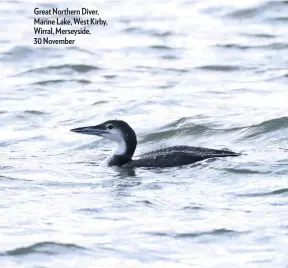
point(217, 232)
point(80, 68)
point(265, 127)
point(220, 68)
point(60, 81)
point(257, 10)
point(283, 191)
point(49, 248)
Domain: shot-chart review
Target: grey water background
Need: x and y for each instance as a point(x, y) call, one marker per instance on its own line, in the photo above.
point(199, 73)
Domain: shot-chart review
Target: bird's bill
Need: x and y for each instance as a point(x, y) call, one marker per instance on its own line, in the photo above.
point(93, 130)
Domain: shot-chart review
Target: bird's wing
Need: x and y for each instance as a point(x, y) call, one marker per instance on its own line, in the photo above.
point(196, 151)
point(177, 156)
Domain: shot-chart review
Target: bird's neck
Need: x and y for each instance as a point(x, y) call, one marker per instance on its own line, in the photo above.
point(122, 154)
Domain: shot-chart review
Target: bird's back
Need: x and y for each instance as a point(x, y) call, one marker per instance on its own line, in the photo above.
point(177, 156)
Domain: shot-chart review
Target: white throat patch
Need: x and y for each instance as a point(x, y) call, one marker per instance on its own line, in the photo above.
point(121, 149)
point(115, 135)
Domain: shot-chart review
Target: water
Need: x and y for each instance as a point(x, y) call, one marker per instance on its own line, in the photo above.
point(200, 73)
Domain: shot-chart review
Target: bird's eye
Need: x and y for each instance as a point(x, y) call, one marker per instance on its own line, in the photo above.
point(109, 126)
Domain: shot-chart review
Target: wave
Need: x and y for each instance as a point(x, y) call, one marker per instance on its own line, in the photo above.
point(49, 248)
point(256, 11)
point(58, 81)
point(80, 68)
point(220, 68)
point(150, 32)
point(161, 47)
point(254, 131)
point(195, 129)
point(273, 46)
point(275, 192)
point(217, 232)
point(183, 127)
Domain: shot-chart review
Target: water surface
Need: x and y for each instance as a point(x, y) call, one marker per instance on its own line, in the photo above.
point(199, 73)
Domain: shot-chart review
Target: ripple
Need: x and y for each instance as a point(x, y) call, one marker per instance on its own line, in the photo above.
point(189, 130)
point(26, 114)
point(220, 68)
point(217, 232)
point(146, 203)
point(19, 52)
point(275, 192)
point(197, 208)
point(179, 122)
point(281, 19)
point(260, 35)
point(265, 127)
point(256, 11)
point(35, 112)
point(7, 178)
point(80, 68)
point(272, 46)
point(91, 210)
point(244, 171)
point(169, 57)
point(27, 54)
point(49, 248)
point(233, 46)
point(181, 127)
point(58, 81)
point(99, 102)
point(162, 70)
point(161, 47)
point(150, 32)
point(110, 76)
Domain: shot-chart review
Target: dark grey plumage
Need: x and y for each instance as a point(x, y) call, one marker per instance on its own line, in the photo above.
point(177, 156)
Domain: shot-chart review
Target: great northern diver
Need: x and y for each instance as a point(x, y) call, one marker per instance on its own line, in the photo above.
point(120, 132)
